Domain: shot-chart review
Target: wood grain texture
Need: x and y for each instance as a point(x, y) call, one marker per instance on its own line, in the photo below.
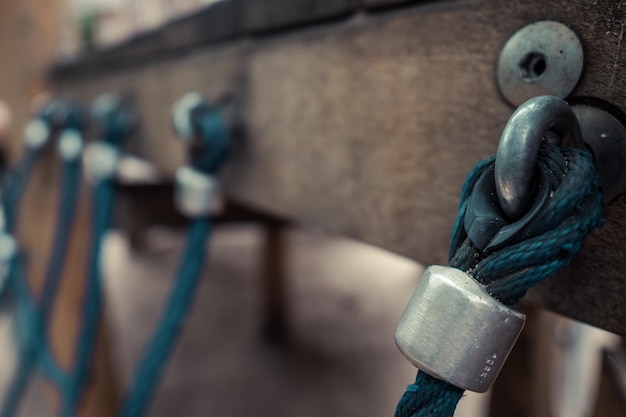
point(220, 21)
point(264, 15)
point(367, 128)
point(385, 3)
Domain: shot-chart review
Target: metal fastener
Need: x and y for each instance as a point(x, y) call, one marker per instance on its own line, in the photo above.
point(101, 161)
point(197, 193)
point(455, 331)
point(543, 58)
point(37, 134)
point(70, 144)
point(605, 135)
point(519, 144)
point(181, 115)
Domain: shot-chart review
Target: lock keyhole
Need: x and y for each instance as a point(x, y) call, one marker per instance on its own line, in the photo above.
point(532, 66)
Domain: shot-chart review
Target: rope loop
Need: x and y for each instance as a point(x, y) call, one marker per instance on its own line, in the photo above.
point(541, 248)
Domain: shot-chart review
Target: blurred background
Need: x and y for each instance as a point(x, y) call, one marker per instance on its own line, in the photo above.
point(90, 24)
point(344, 297)
point(334, 353)
point(35, 35)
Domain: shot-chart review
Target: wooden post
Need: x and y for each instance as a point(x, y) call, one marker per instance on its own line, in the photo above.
point(274, 282)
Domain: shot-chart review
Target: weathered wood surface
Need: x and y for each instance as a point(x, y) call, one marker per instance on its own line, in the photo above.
point(264, 15)
point(367, 127)
point(383, 3)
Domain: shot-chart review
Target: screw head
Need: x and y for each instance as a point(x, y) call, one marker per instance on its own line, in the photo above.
point(543, 58)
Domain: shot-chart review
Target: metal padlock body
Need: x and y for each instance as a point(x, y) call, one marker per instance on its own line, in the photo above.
point(455, 331)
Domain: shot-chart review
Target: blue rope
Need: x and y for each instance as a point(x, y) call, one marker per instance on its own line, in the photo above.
point(207, 158)
point(34, 350)
point(92, 304)
point(543, 247)
point(33, 318)
point(27, 328)
point(12, 190)
point(14, 185)
point(68, 202)
point(152, 365)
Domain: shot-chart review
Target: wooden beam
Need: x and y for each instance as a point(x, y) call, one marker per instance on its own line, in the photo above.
point(367, 127)
point(268, 15)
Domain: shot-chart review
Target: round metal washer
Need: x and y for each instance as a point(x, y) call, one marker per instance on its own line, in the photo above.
point(605, 135)
point(543, 58)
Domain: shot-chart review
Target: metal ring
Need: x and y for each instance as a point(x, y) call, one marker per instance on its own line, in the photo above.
point(517, 152)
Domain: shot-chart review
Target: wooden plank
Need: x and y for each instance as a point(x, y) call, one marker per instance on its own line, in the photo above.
point(275, 288)
point(367, 128)
point(217, 22)
point(385, 3)
point(267, 15)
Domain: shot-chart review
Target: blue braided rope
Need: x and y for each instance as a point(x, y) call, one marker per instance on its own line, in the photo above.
point(70, 186)
point(34, 350)
point(162, 343)
point(543, 247)
point(53, 371)
point(27, 328)
point(14, 185)
point(32, 318)
point(208, 159)
point(92, 304)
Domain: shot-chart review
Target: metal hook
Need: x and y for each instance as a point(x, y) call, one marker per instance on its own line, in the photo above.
point(115, 118)
point(519, 144)
point(206, 130)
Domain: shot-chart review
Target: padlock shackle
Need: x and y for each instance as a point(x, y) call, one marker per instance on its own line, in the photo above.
point(517, 152)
